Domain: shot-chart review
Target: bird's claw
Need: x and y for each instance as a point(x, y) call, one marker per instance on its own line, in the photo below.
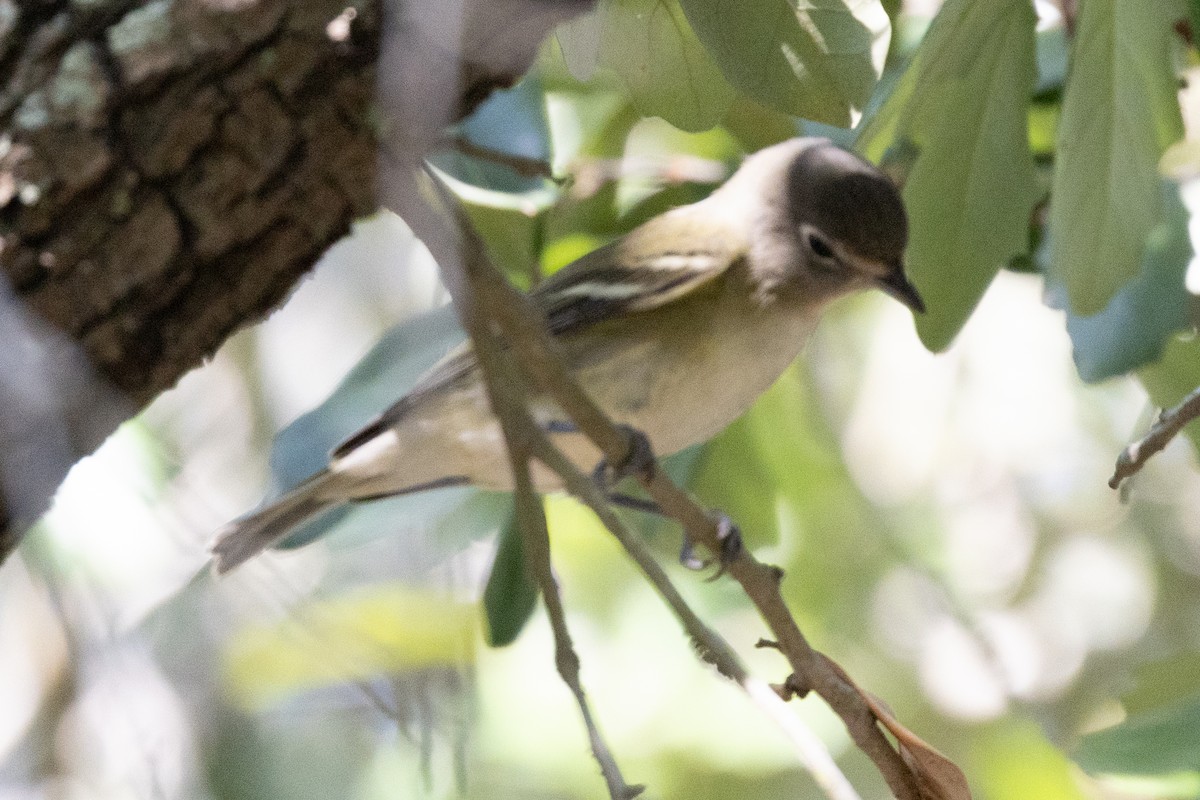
point(638, 460)
point(731, 547)
point(687, 555)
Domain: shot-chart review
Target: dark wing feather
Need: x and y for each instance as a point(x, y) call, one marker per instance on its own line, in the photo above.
point(634, 274)
point(645, 270)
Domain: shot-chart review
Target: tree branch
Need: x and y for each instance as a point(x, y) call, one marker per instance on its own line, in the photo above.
point(170, 169)
point(1168, 426)
point(709, 644)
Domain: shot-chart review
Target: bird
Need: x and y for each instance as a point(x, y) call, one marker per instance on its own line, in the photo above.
point(674, 330)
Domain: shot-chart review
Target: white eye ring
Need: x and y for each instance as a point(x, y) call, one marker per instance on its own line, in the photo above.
point(818, 246)
point(818, 243)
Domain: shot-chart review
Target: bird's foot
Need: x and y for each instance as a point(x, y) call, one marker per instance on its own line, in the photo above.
point(730, 537)
point(638, 461)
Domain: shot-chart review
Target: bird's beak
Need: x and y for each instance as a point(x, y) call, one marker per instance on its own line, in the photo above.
point(896, 284)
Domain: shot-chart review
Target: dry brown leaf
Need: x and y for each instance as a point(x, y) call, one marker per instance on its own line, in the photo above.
point(938, 778)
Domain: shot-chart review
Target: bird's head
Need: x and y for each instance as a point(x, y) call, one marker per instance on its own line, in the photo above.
point(848, 223)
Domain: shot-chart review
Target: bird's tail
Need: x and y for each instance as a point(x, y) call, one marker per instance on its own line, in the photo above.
point(248, 536)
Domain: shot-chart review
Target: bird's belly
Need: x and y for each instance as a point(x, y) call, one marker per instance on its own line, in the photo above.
point(727, 370)
point(641, 383)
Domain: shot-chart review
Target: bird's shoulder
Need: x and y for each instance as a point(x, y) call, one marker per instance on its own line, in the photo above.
point(661, 261)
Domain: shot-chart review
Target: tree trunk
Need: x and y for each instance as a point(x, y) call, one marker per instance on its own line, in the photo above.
point(169, 169)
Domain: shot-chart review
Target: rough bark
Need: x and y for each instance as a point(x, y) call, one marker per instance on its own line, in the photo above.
point(169, 169)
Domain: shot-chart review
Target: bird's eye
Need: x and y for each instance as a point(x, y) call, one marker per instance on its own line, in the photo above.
point(819, 246)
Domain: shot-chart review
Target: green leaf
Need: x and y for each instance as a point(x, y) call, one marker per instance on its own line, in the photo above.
point(1163, 682)
point(1120, 113)
point(755, 126)
point(1014, 761)
point(587, 125)
point(510, 596)
point(664, 67)
point(1053, 55)
point(960, 113)
point(1133, 329)
point(509, 223)
point(512, 121)
point(388, 370)
point(445, 519)
point(1151, 743)
point(1174, 376)
point(817, 59)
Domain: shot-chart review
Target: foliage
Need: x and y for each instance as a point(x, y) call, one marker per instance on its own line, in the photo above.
point(985, 123)
point(923, 509)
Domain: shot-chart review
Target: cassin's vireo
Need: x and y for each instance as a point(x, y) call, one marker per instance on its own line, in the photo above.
point(674, 329)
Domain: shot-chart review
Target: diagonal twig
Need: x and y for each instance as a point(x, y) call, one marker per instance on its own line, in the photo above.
point(522, 165)
point(1166, 428)
point(711, 646)
point(505, 393)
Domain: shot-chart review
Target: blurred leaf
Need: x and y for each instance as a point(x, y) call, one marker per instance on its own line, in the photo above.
point(1169, 786)
point(509, 222)
point(379, 379)
point(658, 202)
point(817, 59)
point(1164, 682)
point(577, 44)
point(1044, 118)
point(1053, 53)
point(562, 251)
point(386, 372)
point(442, 520)
point(250, 758)
point(510, 596)
point(1134, 328)
point(1173, 376)
point(1181, 161)
point(235, 757)
point(1151, 743)
point(755, 126)
point(960, 113)
point(381, 630)
point(1119, 114)
point(594, 216)
point(587, 124)
point(512, 122)
point(1014, 761)
point(665, 68)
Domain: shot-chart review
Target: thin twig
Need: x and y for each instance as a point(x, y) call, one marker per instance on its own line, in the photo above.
point(1168, 426)
point(507, 400)
point(512, 312)
point(711, 646)
point(531, 521)
point(523, 166)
